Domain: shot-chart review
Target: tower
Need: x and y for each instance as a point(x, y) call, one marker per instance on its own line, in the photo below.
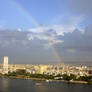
point(5, 65)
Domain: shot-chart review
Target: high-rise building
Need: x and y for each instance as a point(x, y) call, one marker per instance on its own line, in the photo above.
point(43, 68)
point(5, 64)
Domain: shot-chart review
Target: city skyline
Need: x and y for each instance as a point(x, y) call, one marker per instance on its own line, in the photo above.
point(46, 31)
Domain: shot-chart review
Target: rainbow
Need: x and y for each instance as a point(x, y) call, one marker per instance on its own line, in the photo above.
point(38, 25)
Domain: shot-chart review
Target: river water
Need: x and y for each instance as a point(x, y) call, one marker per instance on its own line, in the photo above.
point(21, 85)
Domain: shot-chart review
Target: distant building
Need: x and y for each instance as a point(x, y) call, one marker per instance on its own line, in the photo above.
point(43, 69)
point(5, 65)
point(90, 71)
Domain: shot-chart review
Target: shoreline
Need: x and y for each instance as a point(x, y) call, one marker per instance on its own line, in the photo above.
point(49, 80)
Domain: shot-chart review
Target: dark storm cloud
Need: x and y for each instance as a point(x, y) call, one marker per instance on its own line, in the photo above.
point(50, 32)
point(88, 31)
point(77, 46)
point(81, 6)
point(9, 34)
point(21, 49)
point(77, 40)
point(28, 47)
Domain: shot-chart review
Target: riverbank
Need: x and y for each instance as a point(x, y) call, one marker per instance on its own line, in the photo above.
point(49, 80)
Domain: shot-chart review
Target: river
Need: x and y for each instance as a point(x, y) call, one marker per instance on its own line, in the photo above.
point(21, 85)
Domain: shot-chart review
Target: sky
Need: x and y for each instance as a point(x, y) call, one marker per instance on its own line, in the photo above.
point(46, 31)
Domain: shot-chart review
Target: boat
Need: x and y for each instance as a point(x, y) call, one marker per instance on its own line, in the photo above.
point(47, 80)
point(38, 84)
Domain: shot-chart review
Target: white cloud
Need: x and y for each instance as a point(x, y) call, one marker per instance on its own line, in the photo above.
point(19, 29)
point(35, 30)
point(46, 33)
point(51, 32)
point(30, 37)
point(52, 43)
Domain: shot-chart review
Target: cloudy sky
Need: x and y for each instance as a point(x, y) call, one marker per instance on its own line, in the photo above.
point(46, 31)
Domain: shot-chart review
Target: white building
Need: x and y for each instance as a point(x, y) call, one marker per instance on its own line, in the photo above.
point(5, 64)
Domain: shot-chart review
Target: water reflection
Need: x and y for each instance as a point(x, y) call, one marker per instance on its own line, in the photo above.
point(41, 87)
point(47, 87)
point(4, 83)
point(19, 85)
